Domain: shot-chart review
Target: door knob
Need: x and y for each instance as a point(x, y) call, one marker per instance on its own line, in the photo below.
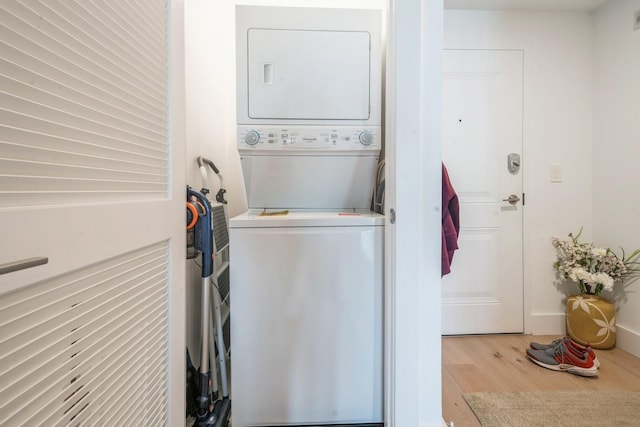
point(513, 199)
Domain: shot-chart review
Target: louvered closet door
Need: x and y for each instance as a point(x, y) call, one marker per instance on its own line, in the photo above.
point(92, 181)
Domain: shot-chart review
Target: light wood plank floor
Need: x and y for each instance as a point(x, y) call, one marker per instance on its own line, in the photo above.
point(498, 363)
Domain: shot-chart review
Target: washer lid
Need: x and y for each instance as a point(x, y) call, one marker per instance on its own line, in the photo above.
point(271, 218)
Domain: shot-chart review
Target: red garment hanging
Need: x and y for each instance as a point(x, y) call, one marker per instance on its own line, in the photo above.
point(450, 222)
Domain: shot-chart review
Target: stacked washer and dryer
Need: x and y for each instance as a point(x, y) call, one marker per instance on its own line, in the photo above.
point(307, 276)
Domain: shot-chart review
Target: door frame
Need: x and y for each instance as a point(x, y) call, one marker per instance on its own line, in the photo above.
point(413, 135)
point(176, 399)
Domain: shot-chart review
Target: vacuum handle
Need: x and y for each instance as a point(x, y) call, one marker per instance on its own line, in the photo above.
point(203, 237)
point(201, 161)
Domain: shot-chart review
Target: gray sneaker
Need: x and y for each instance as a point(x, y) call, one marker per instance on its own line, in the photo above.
point(572, 345)
point(561, 358)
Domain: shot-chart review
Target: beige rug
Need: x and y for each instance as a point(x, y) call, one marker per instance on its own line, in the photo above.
point(556, 408)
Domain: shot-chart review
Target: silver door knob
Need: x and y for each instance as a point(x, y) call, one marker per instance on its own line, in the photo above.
point(513, 199)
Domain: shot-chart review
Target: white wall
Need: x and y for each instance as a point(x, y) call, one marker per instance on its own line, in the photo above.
point(558, 101)
point(616, 205)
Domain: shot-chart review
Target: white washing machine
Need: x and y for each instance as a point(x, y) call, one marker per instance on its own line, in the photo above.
point(307, 274)
point(306, 318)
point(307, 285)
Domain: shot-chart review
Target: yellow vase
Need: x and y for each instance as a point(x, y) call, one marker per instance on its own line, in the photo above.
point(591, 320)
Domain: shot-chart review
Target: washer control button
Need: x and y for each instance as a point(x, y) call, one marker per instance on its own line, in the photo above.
point(365, 138)
point(252, 137)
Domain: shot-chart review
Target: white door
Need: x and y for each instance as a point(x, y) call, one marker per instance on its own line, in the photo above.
point(92, 182)
point(482, 126)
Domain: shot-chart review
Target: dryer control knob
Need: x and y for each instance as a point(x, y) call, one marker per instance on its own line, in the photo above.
point(365, 138)
point(252, 137)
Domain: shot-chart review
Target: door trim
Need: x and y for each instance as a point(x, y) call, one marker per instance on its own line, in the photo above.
point(413, 374)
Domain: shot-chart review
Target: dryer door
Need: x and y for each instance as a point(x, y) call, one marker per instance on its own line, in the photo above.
point(308, 75)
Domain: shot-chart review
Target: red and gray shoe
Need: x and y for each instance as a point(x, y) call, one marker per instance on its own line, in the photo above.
point(562, 358)
point(576, 348)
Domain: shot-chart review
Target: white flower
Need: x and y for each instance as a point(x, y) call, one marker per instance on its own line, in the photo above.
point(582, 274)
point(572, 274)
point(593, 268)
point(605, 280)
point(599, 252)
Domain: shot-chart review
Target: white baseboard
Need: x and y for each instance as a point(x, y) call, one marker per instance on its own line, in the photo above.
point(628, 340)
point(548, 324)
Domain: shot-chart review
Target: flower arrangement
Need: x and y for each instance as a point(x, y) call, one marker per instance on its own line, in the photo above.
point(593, 268)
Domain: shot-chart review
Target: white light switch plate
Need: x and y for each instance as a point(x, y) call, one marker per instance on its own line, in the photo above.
point(636, 20)
point(555, 173)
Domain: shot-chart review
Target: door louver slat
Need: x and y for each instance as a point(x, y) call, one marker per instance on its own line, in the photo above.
point(88, 347)
point(81, 82)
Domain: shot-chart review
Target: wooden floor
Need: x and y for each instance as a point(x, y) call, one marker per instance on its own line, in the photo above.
point(498, 363)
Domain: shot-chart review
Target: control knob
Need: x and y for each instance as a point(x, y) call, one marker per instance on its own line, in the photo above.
point(365, 138)
point(252, 137)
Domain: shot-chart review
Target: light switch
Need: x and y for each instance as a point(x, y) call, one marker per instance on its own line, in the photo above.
point(556, 173)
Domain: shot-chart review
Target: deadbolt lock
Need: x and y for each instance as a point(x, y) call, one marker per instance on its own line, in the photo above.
point(513, 163)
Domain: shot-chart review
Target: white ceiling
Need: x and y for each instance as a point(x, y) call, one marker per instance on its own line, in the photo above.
point(537, 5)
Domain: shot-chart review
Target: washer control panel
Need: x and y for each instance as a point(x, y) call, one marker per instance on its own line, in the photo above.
point(307, 137)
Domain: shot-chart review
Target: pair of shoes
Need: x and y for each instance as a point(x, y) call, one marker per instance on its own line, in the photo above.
point(561, 356)
point(580, 349)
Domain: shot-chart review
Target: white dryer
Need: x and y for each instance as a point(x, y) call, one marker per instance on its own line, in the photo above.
point(308, 66)
point(306, 285)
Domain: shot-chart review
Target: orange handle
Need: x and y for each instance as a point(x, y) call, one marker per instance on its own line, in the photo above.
point(194, 211)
